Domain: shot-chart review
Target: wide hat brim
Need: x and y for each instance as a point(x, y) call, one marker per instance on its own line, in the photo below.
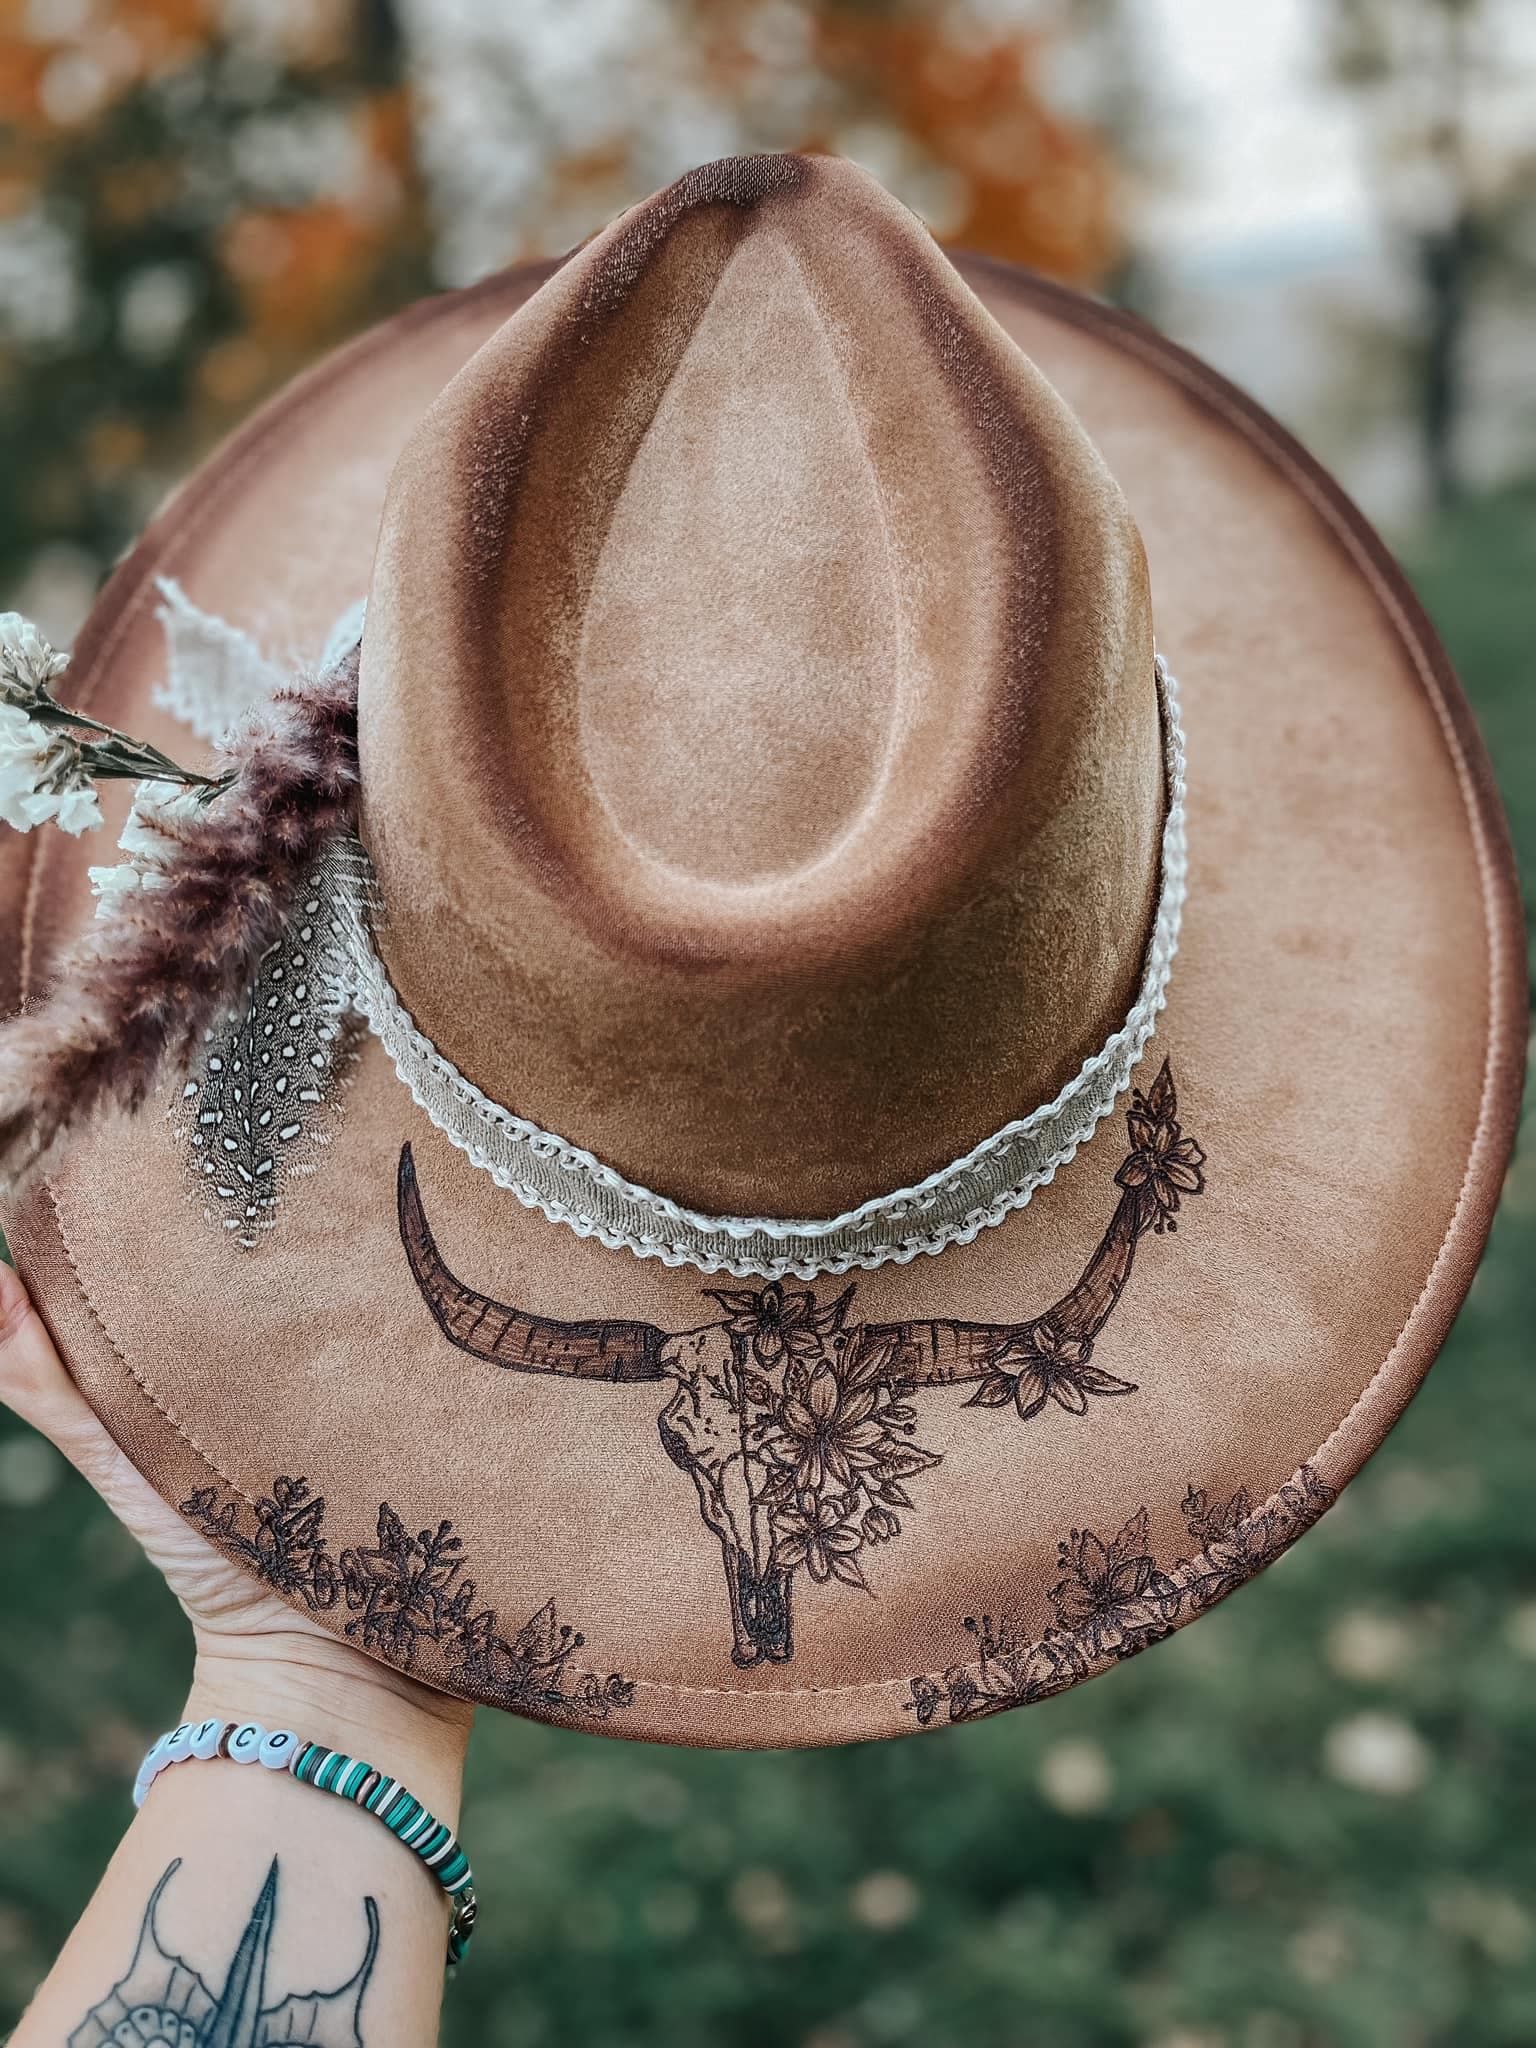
point(1344, 1042)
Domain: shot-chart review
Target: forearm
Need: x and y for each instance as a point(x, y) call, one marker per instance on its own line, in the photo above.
point(348, 1905)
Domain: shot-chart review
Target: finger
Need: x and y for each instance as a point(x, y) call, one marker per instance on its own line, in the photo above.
point(32, 1376)
point(36, 1385)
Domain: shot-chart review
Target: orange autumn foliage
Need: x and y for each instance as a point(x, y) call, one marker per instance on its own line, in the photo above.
point(288, 263)
point(304, 273)
point(125, 43)
point(1034, 187)
point(964, 106)
point(387, 122)
point(191, 21)
point(22, 65)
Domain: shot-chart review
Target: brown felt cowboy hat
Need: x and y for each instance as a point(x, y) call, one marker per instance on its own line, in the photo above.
point(700, 1163)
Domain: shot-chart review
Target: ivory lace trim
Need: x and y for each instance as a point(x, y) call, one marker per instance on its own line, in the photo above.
point(951, 1206)
point(214, 672)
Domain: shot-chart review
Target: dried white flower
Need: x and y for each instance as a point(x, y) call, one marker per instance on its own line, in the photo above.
point(28, 664)
point(113, 886)
point(51, 756)
point(78, 810)
point(43, 775)
point(146, 843)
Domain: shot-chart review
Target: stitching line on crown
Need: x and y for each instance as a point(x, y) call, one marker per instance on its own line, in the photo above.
point(951, 1206)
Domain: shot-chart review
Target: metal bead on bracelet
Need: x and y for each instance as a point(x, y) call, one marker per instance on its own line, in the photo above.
point(432, 1841)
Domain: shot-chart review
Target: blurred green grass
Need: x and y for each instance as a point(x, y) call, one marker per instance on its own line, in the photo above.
point(1307, 1823)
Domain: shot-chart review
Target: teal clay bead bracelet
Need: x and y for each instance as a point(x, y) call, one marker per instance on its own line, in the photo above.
point(247, 1742)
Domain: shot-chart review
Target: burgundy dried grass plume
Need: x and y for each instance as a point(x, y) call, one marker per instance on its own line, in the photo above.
point(138, 992)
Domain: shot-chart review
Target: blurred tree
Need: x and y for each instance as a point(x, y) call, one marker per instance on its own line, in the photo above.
point(194, 199)
point(539, 124)
point(196, 196)
point(1450, 146)
point(1022, 181)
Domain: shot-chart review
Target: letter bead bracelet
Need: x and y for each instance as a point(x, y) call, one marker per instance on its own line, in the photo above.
point(247, 1742)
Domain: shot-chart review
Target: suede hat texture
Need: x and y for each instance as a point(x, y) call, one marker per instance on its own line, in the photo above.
point(794, 1212)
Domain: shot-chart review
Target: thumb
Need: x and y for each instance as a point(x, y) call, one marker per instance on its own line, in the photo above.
point(35, 1384)
point(32, 1375)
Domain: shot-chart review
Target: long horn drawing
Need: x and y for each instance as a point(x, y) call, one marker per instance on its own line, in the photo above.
point(488, 1329)
point(1162, 1164)
point(790, 1418)
point(942, 1354)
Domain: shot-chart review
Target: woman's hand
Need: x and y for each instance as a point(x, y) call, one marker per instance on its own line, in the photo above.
point(255, 1655)
point(242, 1840)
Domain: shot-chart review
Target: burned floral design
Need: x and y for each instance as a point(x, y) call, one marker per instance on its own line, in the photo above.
point(799, 1457)
point(1113, 1599)
point(834, 1442)
point(530, 1670)
point(410, 1602)
point(776, 1320)
point(1164, 1165)
point(1236, 1540)
point(1230, 1536)
point(287, 1550)
point(1009, 1670)
point(798, 1425)
point(821, 1534)
point(828, 1430)
point(1049, 1364)
point(408, 1589)
point(1111, 1596)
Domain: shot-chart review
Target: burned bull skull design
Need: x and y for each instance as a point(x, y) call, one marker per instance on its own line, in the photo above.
point(797, 1424)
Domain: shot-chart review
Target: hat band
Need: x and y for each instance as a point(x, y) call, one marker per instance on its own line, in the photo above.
point(951, 1206)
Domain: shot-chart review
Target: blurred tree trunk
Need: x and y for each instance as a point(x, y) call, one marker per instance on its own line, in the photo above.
point(1445, 263)
point(1416, 66)
point(1446, 254)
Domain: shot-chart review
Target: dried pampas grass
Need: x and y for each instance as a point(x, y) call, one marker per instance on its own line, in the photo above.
point(135, 997)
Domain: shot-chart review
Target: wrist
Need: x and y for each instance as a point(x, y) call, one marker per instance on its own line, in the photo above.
point(346, 1702)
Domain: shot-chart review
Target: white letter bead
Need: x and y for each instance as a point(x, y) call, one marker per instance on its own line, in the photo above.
point(179, 1748)
point(277, 1751)
point(245, 1743)
point(205, 1739)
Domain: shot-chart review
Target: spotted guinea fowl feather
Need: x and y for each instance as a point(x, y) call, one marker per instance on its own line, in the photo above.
point(267, 1086)
point(136, 998)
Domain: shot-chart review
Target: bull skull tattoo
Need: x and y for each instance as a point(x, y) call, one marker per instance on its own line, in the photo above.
point(798, 1424)
point(163, 2002)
